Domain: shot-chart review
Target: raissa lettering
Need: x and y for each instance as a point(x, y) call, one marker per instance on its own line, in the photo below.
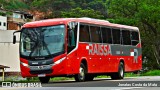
point(97, 49)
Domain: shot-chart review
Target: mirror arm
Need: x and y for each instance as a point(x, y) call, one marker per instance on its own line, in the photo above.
point(16, 32)
point(14, 36)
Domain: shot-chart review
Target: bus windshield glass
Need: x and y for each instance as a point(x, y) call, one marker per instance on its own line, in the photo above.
point(42, 41)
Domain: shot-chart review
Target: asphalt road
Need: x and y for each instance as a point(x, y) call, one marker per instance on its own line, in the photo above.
point(103, 82)
point(140, 83)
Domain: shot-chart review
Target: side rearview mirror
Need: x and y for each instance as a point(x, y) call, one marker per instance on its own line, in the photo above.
point(14, 39)
point(14, 36)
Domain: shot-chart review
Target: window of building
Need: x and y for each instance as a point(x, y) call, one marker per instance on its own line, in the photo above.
point(126, 37)
point(95, 34)
point(21, 16)
point(0, 23)
point(4, 24)
point(106, 35)
point(116, 36)
point(84, 33)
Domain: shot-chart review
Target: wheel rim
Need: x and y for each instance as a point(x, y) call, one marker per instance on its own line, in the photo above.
point(81, 70)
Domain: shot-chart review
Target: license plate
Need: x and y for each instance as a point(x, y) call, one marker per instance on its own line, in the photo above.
point(41, 75)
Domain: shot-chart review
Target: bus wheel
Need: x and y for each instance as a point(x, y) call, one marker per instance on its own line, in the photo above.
point(82, 72)
point(44, 79)
point(120, 73)
point(89, 77)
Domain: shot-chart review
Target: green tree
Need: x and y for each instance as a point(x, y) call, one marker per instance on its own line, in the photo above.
point(79, 12)
point(61, 7)
point(149, 17)
point(99, 5)
point(13, 5)
point(54, 6)
point(145, 15)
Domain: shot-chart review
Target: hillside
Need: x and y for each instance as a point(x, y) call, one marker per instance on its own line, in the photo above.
point(13, 5)
point(58, 8)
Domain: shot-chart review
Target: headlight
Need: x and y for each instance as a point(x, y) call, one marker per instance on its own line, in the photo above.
point(24, 64)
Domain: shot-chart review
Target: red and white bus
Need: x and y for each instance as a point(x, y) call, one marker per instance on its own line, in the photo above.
point(79, 47)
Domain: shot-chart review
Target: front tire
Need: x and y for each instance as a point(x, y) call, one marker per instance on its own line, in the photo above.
point(44, 79)
point(82, 73)
point(120, 73)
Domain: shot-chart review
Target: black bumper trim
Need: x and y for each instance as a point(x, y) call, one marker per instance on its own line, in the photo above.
point(41, 72)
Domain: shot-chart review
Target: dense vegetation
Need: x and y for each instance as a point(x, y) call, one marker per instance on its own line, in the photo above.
point(141, 13)
point(13, 5)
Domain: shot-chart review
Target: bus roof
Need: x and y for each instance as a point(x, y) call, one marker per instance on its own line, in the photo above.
point(56, 21)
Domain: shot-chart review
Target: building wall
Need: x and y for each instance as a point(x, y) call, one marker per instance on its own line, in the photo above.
point(16, 19)
point(13, 26)
point(9, 53)
point(3, 20)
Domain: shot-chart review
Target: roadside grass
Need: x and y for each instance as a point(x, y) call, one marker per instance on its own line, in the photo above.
point(102, 76)
point(61, 78)
point(131, 75)
point(148, 73)
point(151, 73)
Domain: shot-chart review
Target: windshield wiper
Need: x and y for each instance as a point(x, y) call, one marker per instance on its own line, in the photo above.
point(48, 51)
point(35, 40)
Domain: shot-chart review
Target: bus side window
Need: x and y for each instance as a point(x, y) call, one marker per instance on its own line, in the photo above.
point(72, 38)
point(106, 35)
point(126, 37)
point(116, 36)
point(95, 34)
point(84, 33)
point(135, 38)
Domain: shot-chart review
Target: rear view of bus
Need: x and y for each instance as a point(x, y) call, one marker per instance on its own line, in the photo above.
point(79, 47)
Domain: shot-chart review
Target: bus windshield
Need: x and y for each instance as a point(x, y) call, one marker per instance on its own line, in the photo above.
point(42, 41)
